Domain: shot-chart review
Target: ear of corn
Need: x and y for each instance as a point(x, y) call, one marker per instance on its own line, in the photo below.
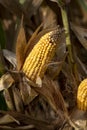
point(36, 62)
point(82, 95)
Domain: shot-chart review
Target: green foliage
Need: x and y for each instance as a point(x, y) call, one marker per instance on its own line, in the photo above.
point(2, 46)
point(83, 4)
point(3, 105)
point(22, 1)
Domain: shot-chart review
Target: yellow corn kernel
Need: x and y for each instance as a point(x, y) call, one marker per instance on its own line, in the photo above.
point(36, 62)
point(82, 95)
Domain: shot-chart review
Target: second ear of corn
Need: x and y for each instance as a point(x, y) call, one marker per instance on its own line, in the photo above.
point(82, 95)
point(36, 62)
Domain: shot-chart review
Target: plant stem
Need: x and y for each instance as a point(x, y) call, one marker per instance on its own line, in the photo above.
point(67, 32)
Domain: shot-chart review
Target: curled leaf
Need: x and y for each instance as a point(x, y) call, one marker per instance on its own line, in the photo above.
point(11, 57)
point(6, 81)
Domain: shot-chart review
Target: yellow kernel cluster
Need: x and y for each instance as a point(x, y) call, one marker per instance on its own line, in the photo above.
point(82, 95)
point(36, 62)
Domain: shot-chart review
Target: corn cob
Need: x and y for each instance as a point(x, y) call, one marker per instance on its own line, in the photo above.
point(82, 95)
point(36, 62)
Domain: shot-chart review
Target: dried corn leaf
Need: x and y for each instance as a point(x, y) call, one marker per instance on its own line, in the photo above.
point(28, 120)
point(8, 99)
point(16, 75)
point(81, 66)
point(39, 81)
point(31, 41)
point(27, 9)
point(6, 81)
point(11, 57)
point(27, 127)
point(81, 124)
point(70, 77)
point(54, 68)
point(61, 50)
point(27, 93)
point(8, 119)
point(50, 91)
point(20, 46)
point(30, 6)
point(80, 118)
point(17, 99)
point(59, 58)
point(81, 34)
point(48, 15)
point(79, 114)
point(68, 85)
point(14, 6)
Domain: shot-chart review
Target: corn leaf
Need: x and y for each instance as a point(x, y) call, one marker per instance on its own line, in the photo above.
point(20, 46)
